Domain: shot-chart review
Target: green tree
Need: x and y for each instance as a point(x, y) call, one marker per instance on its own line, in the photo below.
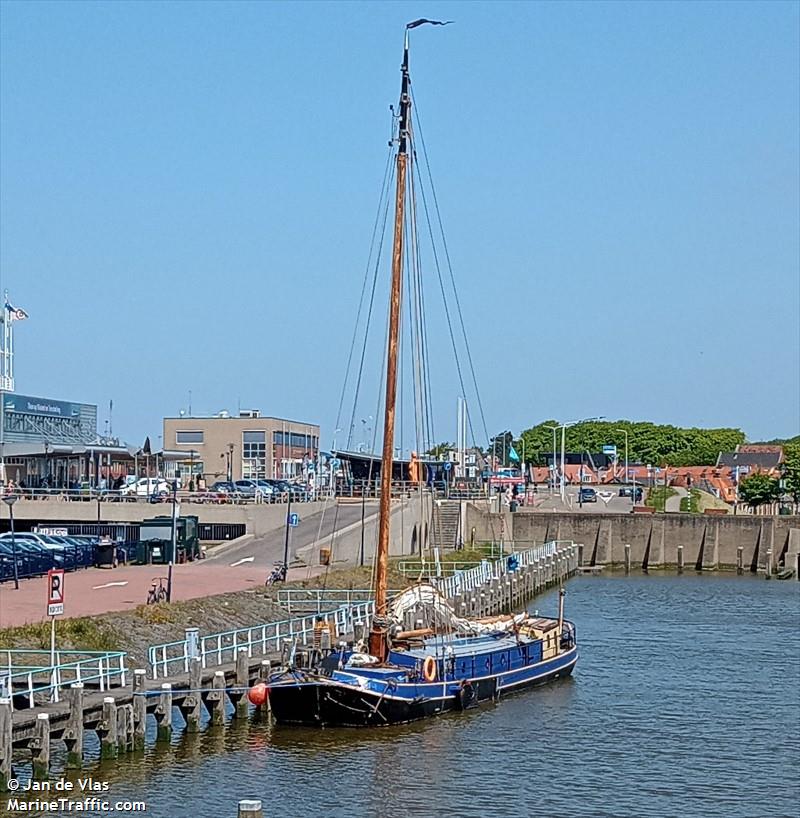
point(791, 471)
point(440, 450)
point(759, 489)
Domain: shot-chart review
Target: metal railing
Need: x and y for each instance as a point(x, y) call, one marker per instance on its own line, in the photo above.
point(31, 673)
point(473, 578)
point(260, 640)
point(323, 599)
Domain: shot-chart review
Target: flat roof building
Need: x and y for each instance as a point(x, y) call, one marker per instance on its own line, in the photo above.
point(243, 446)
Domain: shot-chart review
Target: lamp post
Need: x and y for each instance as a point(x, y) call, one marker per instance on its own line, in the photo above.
point(563, 427)
point(173, 539)
point(627, 478)
point(230, 462)
point(9, 500)
point(553, 464)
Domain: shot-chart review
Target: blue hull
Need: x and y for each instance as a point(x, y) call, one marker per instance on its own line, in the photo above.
point(350, 699)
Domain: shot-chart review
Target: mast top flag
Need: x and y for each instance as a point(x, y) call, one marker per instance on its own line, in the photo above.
point(422, 21)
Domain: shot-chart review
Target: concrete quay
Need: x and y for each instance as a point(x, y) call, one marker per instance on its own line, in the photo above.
point(657, 541)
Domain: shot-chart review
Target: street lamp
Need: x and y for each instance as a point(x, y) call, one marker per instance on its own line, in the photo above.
point(627, 476)
point(9, 500)
point(553, 464)
point(563, 427)
point(229, 455)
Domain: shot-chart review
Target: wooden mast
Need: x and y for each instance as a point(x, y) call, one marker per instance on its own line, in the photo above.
point(377, 636)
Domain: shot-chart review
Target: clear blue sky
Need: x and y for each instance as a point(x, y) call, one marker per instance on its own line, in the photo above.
point(188, 190)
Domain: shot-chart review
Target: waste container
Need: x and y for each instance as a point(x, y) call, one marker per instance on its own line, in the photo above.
point(106, 554)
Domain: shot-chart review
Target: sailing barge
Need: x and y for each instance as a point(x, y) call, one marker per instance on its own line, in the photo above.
point(453, 663)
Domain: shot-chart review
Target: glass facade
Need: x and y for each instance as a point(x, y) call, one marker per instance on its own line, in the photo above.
point(254, 455)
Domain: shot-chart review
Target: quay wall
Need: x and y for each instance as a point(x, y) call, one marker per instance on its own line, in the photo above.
point(259, 519)
point(708, 542)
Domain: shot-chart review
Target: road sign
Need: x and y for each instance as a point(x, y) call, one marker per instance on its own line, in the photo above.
point(294, 519)
point(447, 466)
point(55, 592)
point(611, 451)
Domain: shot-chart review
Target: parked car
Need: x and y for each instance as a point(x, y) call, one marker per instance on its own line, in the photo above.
point(587, 495)
point(261, 489)
point(147, 487)
point(628, 491)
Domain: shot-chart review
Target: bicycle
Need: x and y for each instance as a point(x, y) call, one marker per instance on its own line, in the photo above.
point(158, 591)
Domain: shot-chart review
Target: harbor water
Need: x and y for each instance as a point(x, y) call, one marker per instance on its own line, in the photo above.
point(684, 703)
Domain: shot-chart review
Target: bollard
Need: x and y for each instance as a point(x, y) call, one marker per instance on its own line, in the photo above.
point(680, 559)
point(139, 709)
point(6, 729)
point(239, 699)
point(164, 714)
point(73, 733)
point(250, 809)
point(190, 708)
point(627, 558)
point(739, 560)
point(107, 729)
point(40, 747)
point(768, 566)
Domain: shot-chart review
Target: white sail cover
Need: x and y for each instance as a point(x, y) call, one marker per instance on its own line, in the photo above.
point(426, 603)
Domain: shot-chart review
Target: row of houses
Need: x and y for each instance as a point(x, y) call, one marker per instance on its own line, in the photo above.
point(720, 479)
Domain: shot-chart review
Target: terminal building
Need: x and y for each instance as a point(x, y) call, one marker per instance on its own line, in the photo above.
point(243, 446)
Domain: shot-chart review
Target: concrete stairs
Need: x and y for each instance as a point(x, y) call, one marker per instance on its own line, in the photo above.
point(446, 527)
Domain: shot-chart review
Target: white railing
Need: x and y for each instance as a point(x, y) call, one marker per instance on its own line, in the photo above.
point(260, 640)
point(30, 673)
point(323, 599)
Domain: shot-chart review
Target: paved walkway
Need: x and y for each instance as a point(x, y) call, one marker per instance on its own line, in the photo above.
point(674, 502)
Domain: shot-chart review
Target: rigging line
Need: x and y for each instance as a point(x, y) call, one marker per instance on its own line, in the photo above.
point(447, 314)
point(364, 287)
point(369, 316)
point(426, 393)
point(449, 265)
point(425, 346)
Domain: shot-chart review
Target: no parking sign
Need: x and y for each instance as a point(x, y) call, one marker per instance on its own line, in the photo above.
point(55, 592)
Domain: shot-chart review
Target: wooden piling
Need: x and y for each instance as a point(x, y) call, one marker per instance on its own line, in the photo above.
point(238, 697)
point(191, 705)
point(139, 709)
point(107, 729)
point(740, 560)
point(215, 698)
point(264, 673)
point(680, 559)
point(124, 728)
point(580, 554)
point(39, 746)
point(250, 809)
point(6, 729)
point(73, 734)
point(627, 558)
point(164, 714)
point(768, 564)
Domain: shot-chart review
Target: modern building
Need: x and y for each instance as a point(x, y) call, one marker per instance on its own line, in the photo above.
point(243, 446)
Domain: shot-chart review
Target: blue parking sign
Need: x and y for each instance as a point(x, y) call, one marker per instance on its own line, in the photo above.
point(294, 519)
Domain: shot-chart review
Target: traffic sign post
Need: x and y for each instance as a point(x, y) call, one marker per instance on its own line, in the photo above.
point(55, 607)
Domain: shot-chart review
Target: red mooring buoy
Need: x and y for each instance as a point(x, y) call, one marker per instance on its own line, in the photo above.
point(258, 694)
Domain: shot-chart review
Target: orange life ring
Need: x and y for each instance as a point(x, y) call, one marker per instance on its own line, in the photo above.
point(429, 669)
